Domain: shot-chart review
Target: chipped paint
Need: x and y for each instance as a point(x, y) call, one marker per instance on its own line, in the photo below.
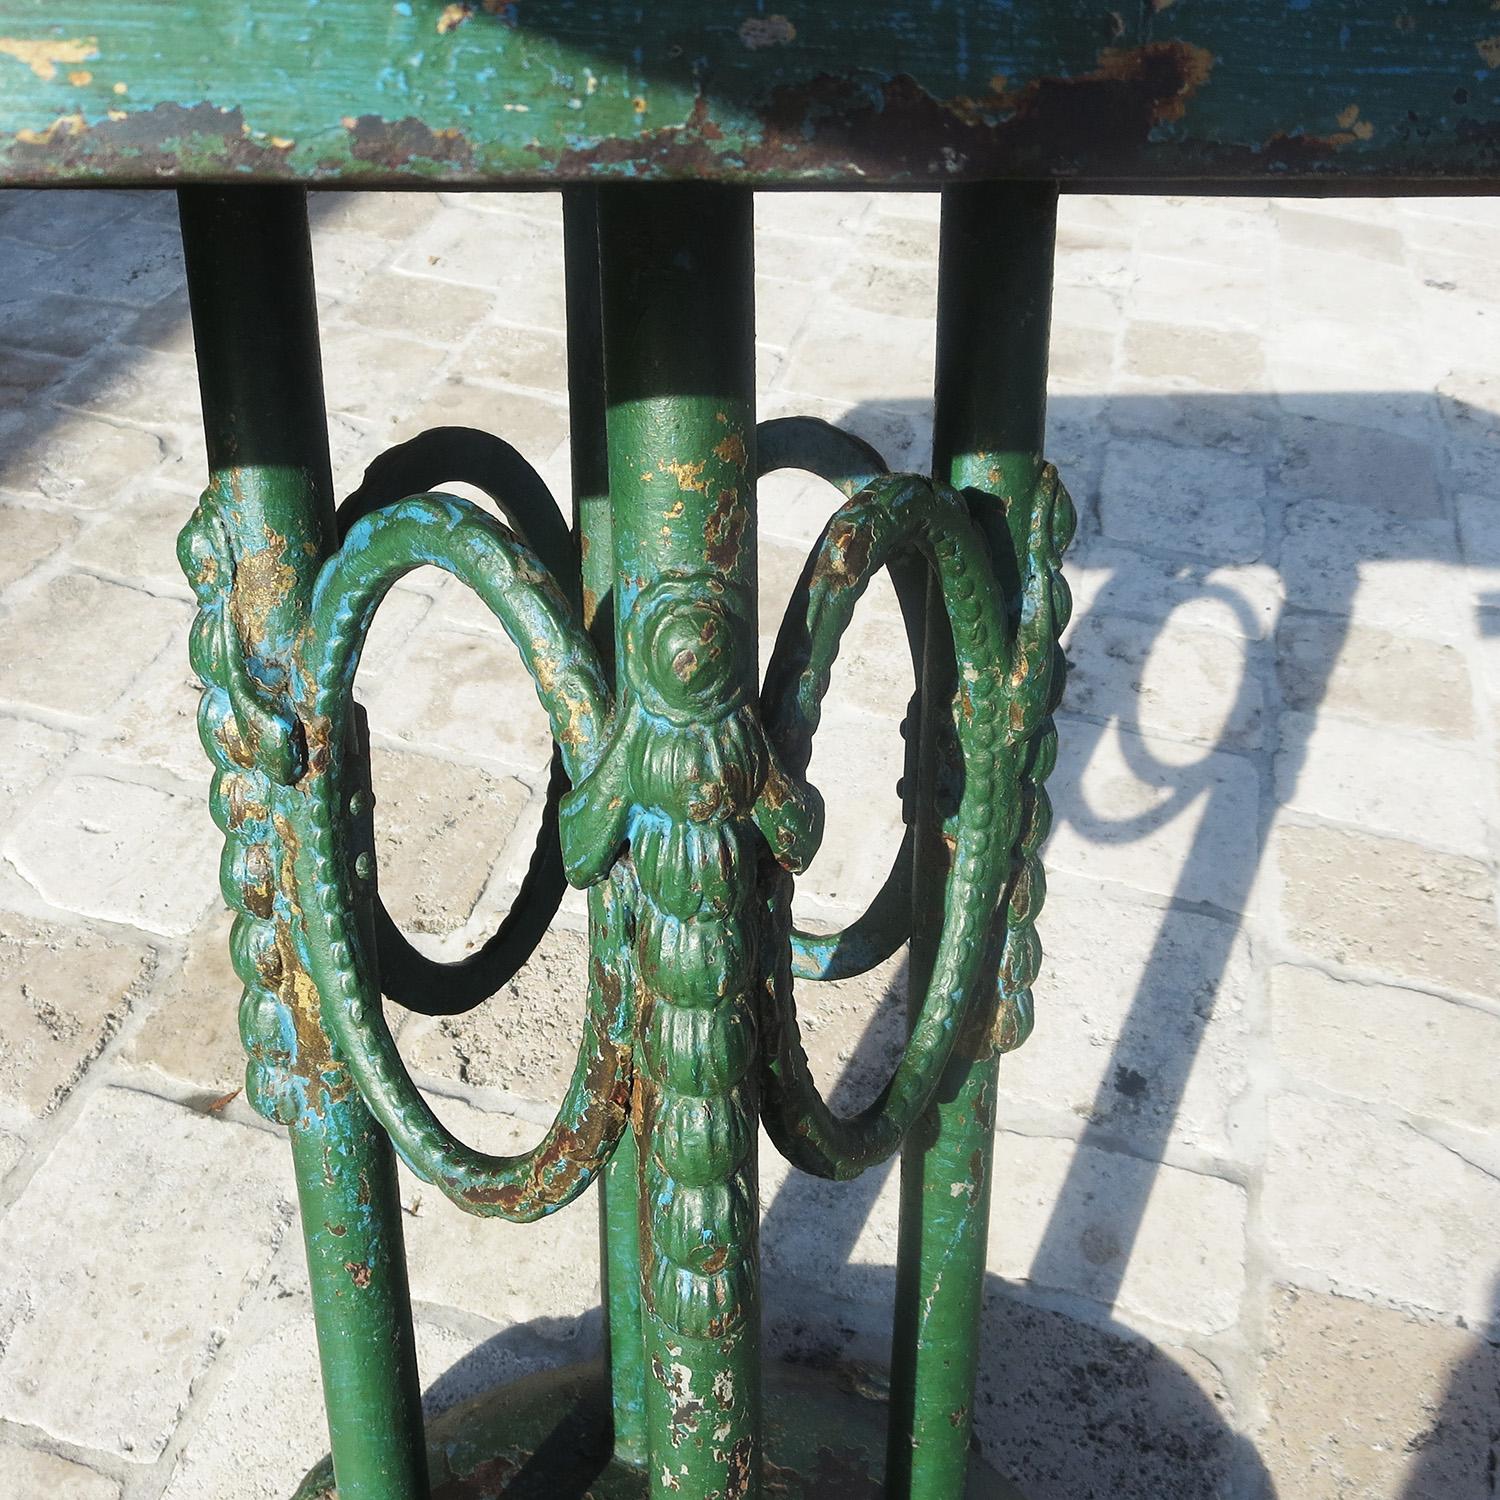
point(44, 56)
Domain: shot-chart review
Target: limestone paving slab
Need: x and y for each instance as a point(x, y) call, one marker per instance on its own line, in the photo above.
point(191, 1028)
point(1159, 494)
point(120, 850)
point(1158, 1243)
point(1380, 569)
point(64, 991)
point(524, 1039)
point(1329, 665)
point(1154, 815)
point(1166, 679)
point(1143, 1024)
point(440, 829)
point(29, 754)
point(1424, 788)
point(1379, 903)
point(1089, 1412)
point(1431, 1057)
point(78, 642)
point(27, 1472)
point(149, 1218)
point(1390, 1177)
point(32, 535)
point(272, 1388)
point(1363, 1400)
point(75, 458)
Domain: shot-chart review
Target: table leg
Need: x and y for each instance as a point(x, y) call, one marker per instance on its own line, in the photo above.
point(251, 552)
point(685, 764)
point(994, 312)
point(619, 1186)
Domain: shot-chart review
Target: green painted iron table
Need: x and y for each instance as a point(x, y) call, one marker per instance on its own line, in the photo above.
point(679, 796)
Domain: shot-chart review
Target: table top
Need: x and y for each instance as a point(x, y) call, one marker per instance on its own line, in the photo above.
point(1174, 95)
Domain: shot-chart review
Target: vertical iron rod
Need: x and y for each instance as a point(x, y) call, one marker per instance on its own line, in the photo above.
point(678, 301)
point(249, 268)
point(619, 1192)
point(994, 315)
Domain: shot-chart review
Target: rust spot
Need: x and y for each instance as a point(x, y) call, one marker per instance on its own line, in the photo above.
point(394, 143)
point(242, 807)
point(738, 1471)
point(338, 1231)
point(315, 729)
point(314, 1061)
point(688, 476)
point(263, 579)
point(708, 803)
point(452, 17)
point(568, 1153)
point(676, 148)
point(723, 530)
point(732, 451)
point(359, 1273)
point(846, 557)
point(490, 1478)
point(258, 886)
point(59, 130)
point(148, 144)
point(1048, 122)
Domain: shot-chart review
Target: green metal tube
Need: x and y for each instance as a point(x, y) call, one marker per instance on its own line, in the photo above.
point(264, 527)
point(994, 311)
point(619, 1189)
point(680, 377)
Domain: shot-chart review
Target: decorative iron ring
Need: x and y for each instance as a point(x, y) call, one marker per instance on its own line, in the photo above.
point(891, 515)
point(849, 464)
point(456, 536)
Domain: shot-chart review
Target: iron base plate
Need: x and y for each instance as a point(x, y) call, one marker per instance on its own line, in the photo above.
point(547, 1437)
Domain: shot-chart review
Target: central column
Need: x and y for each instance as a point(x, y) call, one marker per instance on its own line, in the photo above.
point(678, 315)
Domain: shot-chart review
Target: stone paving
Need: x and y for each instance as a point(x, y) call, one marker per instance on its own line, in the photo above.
point(1248, 1161)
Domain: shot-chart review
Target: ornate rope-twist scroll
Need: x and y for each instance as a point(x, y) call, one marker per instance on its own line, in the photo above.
point(703, 792)
point(255, 751)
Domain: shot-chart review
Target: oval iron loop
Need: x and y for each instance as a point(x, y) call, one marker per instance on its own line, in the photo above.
point(892, 515)
point(465, 455)
point(849, 464)
point(458, 537)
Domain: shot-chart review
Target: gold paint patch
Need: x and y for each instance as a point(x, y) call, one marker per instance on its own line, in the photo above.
point(42, 57)
point(63, 125)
